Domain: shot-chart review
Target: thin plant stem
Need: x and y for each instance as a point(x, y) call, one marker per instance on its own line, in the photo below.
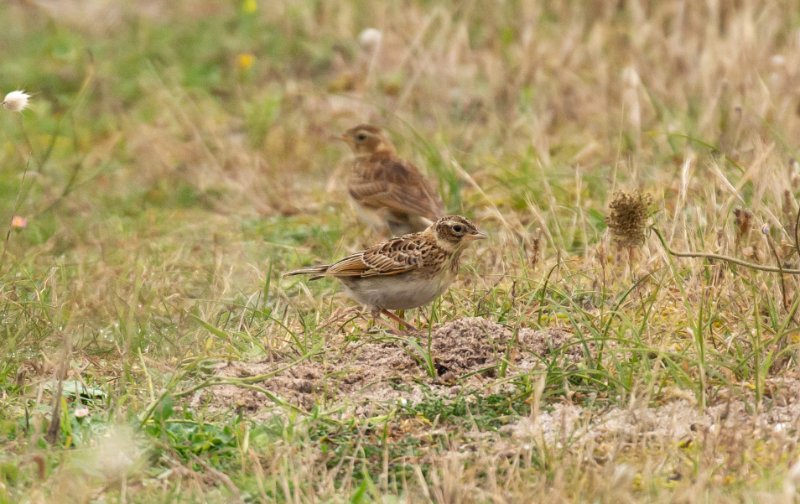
point(781, 283)
point(17, 203)
point(718, 257)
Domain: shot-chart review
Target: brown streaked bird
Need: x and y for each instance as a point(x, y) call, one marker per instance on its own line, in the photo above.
point(404, 272)
point(387, 191)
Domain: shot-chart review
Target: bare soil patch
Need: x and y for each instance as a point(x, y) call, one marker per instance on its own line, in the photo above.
point(369, 373)
point(731, 426)
point(366, 376)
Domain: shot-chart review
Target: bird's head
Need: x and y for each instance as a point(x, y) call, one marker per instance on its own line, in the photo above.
point(366, 140)
point(454, 232)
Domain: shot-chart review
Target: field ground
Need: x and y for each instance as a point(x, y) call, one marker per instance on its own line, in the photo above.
point(176, 160)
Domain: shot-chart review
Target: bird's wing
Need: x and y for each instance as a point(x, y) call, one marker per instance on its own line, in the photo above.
point(391, 257)
point(396, 185)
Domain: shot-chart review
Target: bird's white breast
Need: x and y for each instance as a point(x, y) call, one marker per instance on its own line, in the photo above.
point(397, 292)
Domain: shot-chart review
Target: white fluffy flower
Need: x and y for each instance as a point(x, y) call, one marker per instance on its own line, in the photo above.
point(370, 38)
point(117, 454)
point(16, 101)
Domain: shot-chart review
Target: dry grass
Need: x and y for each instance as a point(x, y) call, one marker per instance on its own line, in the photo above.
point(168, 183)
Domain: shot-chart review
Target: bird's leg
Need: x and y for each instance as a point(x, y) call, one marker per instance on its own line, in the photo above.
point(401, 314)
point(377, 319)
point(376, 315)
point(398, 320)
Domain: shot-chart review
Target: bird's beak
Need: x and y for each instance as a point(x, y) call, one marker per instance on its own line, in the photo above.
point(340, 138)
point(479, 235)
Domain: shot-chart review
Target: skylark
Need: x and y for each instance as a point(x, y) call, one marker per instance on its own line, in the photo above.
point(404, 272)
point(387, 191)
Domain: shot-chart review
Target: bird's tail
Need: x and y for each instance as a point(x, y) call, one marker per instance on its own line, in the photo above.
point(317, 271)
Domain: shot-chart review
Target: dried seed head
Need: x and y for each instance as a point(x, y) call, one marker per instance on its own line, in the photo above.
point(532, 245)
point(628, 218)
point(744, 222)
point(787, 203)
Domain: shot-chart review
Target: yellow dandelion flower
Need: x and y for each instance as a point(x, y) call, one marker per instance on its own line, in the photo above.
point(249, 6)
point(245, 61)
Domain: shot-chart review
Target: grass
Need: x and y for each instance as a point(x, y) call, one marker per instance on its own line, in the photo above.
point(176, 160)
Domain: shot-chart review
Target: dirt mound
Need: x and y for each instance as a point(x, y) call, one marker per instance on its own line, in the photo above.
point(468, 345)
point(475, 343)
point(381, 369)
point(550, 342)
point(377, 360)
point(297, 385)
point(367, 371)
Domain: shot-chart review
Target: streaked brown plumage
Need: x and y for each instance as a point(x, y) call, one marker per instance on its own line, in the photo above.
point(388, 192)
point(404, 272)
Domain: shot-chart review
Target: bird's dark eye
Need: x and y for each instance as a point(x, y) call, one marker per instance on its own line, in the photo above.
point(361, 137)
point(458, 228)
